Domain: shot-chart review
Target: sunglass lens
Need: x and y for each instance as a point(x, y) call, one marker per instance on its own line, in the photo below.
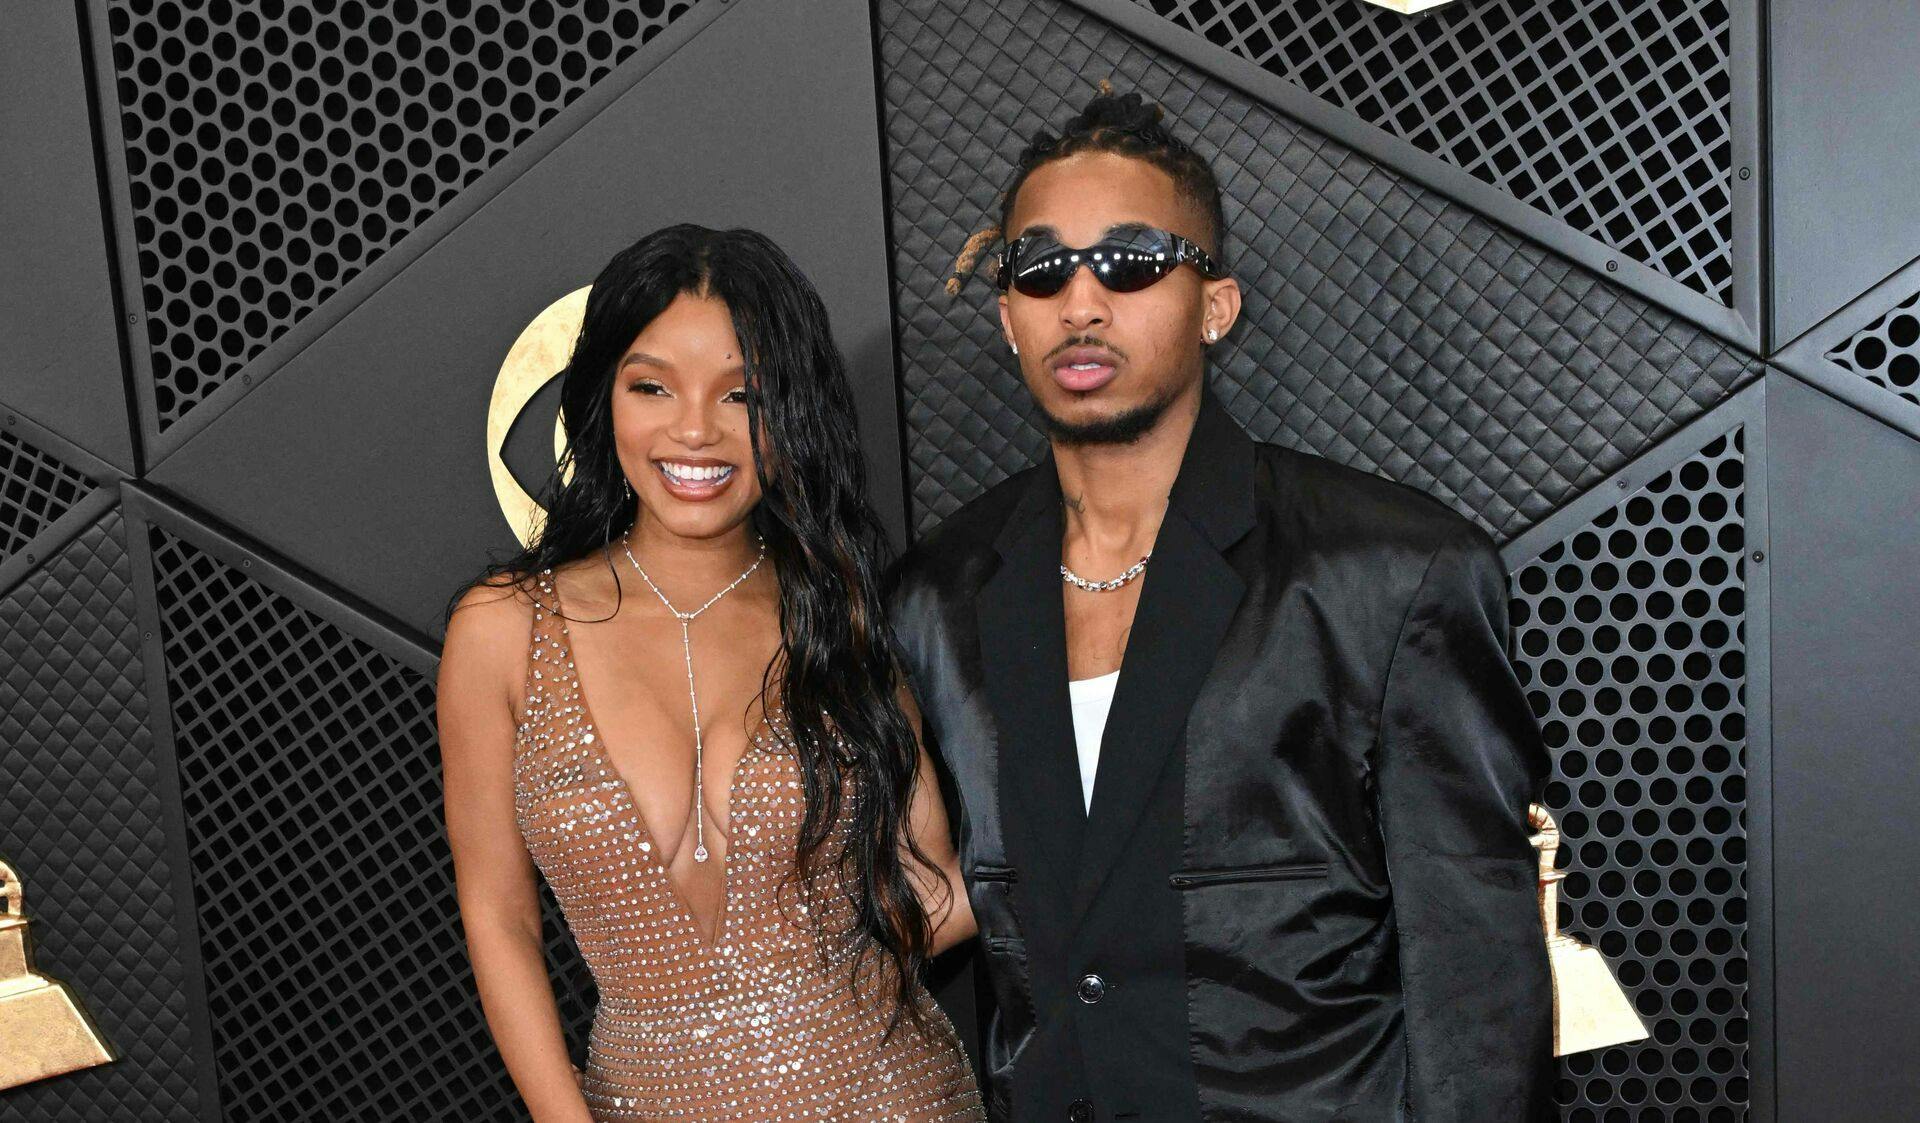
point(1125, 264)
point(1137, 260)
point(1130, 271)
point(1042, 270)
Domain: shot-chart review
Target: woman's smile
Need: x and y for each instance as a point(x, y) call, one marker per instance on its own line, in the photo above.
point(694, 479)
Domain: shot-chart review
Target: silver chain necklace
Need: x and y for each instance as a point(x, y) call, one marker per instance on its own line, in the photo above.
point(1079, 582)
point(686, 646)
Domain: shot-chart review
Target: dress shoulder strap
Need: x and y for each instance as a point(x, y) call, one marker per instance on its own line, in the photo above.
point(546, 656)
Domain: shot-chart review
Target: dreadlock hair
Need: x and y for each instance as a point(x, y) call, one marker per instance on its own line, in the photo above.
point(1122, 124)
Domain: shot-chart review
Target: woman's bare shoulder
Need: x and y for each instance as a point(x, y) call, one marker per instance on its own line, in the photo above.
point(500, 602)
point(487, 636)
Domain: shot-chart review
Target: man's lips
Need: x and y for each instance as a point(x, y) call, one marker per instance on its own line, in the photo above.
point(695, 479)
point(1083, 369)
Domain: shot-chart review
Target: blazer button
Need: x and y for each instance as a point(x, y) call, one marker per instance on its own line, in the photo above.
point(1080, 1111)
point(1092, 989)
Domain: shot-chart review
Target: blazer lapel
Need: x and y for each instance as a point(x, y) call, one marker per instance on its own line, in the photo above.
point(1023, 646)
point(1188, 599)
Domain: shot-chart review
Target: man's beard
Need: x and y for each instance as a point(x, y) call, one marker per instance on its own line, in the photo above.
point(1125, 427)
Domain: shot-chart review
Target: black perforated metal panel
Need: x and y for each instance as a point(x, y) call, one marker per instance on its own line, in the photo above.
point(82, 820)
point(35, 489)
point(1887, 351)
point(1386, 327)
point(337, 977)
point(1631, 638)
point(1389, 328)
point(1610, 116)
point(277, 149)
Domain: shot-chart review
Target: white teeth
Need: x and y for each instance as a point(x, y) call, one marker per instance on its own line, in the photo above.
point(690, 473)
point(1086, 366)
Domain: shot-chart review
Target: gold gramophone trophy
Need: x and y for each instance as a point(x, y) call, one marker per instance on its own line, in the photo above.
point(1590, 1011)
point(43, 1031)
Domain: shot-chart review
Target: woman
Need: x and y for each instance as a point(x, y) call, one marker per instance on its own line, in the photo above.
point(681, 705)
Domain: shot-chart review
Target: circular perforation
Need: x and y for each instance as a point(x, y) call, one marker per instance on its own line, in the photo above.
point(1887, 351)
point(1630, 638)
point(275, 150)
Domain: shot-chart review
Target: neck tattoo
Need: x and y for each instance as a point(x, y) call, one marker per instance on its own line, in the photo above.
point(686, 646)
point(1078, 505)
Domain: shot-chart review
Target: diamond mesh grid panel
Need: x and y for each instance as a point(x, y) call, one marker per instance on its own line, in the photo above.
point(1887, 351)
point(337, 976)
point(35, 489)
point(275, 150)
point(1631, 637)
point(1386, 327)
point(1610, 116)
point(82, 821)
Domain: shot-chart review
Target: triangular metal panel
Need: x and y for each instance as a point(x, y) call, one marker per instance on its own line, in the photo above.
point(1671, 213)
point(1639, 629)
point(1868, 353)
point(1844, 548)
point(301, 732)
point(50, 489)
point(89, 817)
point(263, 159)
point(364, 458)
point(56, 255)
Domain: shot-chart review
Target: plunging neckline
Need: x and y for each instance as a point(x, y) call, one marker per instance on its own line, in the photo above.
point(591, 737)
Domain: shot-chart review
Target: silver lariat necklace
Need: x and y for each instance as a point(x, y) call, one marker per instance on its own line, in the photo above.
point(1079, 582)
point(686, 646)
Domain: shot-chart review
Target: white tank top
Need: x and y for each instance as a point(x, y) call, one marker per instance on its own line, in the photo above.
point(1092, 698)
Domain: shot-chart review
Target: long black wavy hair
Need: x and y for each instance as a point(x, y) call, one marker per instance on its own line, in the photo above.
point(837, 667)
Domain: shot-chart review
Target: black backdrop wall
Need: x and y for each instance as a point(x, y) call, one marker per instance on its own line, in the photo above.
point(1630, 282)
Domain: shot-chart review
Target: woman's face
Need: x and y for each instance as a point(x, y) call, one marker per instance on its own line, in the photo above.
point(680, 421)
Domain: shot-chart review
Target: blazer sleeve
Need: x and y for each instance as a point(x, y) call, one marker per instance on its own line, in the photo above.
point(909, 608)
point(1458, 759)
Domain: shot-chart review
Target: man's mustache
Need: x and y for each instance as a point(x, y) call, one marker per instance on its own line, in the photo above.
point(1084, 341)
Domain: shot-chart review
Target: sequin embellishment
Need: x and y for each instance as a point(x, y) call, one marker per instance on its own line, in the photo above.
point(755, 1026)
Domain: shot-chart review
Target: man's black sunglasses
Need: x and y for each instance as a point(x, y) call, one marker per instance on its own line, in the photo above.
point(1127, 260)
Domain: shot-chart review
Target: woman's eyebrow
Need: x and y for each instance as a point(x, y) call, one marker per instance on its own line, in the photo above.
point(639, 358)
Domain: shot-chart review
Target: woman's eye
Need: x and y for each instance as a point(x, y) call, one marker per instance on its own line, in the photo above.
point(648, 386)
point(739, 395)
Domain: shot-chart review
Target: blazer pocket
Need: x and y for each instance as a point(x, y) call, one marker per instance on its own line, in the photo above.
point(1230, 875)
point(1012, 1021)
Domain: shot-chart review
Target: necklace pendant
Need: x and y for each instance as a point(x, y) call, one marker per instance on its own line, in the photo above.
point(693, 697)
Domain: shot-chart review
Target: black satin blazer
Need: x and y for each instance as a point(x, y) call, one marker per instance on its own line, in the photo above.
point(1305, 889)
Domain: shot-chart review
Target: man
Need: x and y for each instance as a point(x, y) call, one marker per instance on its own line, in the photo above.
point(1287, 874)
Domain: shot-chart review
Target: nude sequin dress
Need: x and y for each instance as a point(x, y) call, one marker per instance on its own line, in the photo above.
point(755, 1026)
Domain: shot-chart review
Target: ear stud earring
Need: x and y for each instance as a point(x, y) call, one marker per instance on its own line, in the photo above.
point(1015, 346)
point(1213, 335)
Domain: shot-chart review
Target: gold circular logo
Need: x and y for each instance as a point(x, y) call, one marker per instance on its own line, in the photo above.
point(535, 359)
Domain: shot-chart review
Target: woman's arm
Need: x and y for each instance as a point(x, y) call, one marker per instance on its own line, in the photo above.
point(942, 894)
point(481, 664)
